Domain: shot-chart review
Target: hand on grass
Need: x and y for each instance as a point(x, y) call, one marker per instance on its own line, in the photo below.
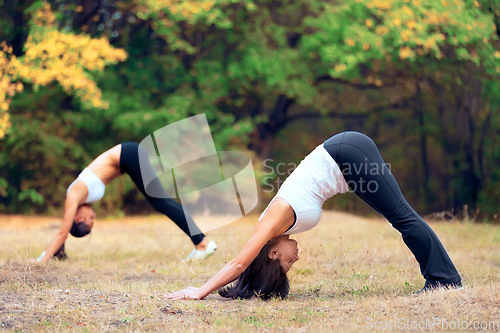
point(188, 293)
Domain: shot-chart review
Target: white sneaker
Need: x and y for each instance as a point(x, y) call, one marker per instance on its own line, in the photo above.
point(198, 255)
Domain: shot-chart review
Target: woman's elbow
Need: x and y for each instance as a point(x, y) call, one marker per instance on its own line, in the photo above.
point(238, 265)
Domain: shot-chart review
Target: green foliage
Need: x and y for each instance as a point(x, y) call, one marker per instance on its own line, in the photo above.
point(253, 67)
point(382, 34)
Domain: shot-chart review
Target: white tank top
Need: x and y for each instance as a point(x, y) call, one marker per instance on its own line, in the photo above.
point(94, 185)
point(316, 179)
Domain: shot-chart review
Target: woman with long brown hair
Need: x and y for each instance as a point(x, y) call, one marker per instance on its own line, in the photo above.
point(346, 161)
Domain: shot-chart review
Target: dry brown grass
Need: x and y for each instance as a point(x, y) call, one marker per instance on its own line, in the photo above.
point(354, 273)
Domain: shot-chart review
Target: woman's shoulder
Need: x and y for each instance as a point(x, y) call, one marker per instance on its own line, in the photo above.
point(77, 191)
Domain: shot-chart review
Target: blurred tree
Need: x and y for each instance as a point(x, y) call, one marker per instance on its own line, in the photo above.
point(420, 72)
point(48, 55)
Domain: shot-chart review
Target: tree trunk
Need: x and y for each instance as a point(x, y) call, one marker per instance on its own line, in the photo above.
point(266, 132)
point(472, 104)
point(423, 140)
point(17, 39)
point(482, 138)
point(445, 145)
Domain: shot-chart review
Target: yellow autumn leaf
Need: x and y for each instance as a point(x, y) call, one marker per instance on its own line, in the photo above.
point(63, 57)
point(382, 4)
point(405, 52)
point(430, 43)
point(8, 88)
point(404, 36)
point(407, 11)
point(340, 68)
point(382, 30)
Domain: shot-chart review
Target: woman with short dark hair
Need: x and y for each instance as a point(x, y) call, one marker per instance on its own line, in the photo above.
point(90, 185)
point(348, 160)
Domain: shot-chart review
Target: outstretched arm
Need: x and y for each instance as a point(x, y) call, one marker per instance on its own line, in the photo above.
point(232, 270)
point(70, 207)
point(274, 223)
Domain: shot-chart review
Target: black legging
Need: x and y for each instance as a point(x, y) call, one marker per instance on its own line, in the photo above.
point(369, 177)
point(129, 163)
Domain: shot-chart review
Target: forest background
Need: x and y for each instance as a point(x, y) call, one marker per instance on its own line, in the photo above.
point(274, 78)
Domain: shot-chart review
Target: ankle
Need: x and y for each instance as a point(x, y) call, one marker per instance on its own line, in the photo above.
point(202, 246)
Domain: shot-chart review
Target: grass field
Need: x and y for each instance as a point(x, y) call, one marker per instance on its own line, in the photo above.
point(354, 275)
